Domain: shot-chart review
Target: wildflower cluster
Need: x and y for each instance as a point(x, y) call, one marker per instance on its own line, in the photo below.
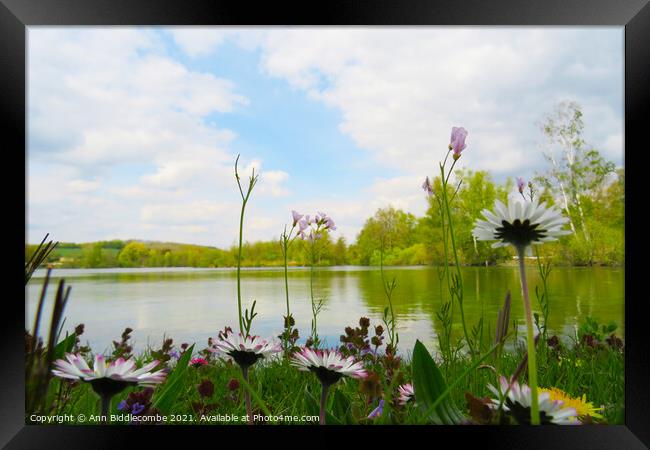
point(312, 228)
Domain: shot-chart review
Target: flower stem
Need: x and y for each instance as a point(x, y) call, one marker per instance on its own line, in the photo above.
point(241, 229)
point(459, 290)
point(286, 275)
point(106, 404)
point(323, 401)
point(532, 359)
point(247, 397)
point(314, 325)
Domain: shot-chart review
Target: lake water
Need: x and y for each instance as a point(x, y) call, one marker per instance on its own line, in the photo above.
point(190, 305)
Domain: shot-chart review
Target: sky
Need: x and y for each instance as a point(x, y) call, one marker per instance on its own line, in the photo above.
point(133, 132)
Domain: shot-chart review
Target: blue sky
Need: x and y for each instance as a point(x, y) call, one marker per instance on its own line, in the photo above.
point(133, 132)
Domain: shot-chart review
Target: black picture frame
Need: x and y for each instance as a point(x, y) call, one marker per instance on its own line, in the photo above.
point(634, 15)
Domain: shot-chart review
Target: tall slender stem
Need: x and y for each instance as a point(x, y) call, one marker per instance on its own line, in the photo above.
point(314, 325)
point(241, 229)
point(459, 292)
point(247, 397)
point(286, 275)
point(323, 402)
point(532, 359)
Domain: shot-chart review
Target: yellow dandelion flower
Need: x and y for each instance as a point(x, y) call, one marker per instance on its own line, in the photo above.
point(582, 406)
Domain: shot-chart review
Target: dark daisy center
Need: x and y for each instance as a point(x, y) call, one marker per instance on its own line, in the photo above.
point(108, 387)
point(522, 414)
point(519, 233)
point(326, 376)
point(245, 359)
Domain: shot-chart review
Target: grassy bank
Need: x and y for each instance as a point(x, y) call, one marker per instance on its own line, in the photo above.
point(210, 390)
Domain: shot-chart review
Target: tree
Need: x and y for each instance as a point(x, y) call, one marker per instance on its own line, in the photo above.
point(390, 227)
point(91, 255)
point(134, 254)
point(339, 252)
point(577, 171)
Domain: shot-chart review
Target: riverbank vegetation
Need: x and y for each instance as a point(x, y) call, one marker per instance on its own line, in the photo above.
point(411, 241)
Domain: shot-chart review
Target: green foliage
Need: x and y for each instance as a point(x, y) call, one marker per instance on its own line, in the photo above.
point(598, 373)
point(174, 386)
point(429, 386)
point(134, 254)
point(591, 327)
point(397, 230)
point(578, 175)
point(64, 346)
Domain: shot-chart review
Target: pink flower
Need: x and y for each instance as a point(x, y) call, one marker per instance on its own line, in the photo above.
point(457, 144)
point(197, 362)
point(406, 393)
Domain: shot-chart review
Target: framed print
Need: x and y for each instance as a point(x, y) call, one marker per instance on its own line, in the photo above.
point(361, 221)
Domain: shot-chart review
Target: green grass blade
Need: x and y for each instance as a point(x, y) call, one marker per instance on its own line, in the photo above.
point(170, 391)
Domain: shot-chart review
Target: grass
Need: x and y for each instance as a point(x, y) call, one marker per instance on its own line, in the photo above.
point(578, 369)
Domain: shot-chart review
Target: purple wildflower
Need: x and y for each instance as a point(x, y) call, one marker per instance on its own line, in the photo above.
point(378, 411)
point(137, 408)
point(457, 144)
point(521, 184)
point(122, 405)
point(329, 224)
point(296, 217)
point(427, 187)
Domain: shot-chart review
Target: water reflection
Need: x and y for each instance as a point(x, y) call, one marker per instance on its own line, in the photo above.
point(190, 305)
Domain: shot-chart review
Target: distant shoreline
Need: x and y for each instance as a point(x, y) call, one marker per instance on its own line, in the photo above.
point(41, 271)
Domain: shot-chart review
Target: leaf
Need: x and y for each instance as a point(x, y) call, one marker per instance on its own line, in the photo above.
point(341, 408)
point(63, 347)
point(170, 391)
point(429, 385)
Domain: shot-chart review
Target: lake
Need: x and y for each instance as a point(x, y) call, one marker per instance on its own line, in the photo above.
point(190, 305)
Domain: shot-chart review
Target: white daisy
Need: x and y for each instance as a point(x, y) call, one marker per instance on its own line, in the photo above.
point(521, 223)
point(517, 404)
point(244, 350)
point(328, 365)
point(107, 379)
point(120, 370)
point(406, 393)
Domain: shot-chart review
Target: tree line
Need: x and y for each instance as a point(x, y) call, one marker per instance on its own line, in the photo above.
point(579, 180)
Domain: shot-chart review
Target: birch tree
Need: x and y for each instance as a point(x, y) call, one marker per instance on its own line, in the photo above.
point(576, 169)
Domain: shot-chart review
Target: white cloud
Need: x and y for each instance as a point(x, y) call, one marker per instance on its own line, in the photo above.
point(118, 127)
point(271, 183)
point(196, 212)
point(401, 90)
point(116, 124)
point(198, 41)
